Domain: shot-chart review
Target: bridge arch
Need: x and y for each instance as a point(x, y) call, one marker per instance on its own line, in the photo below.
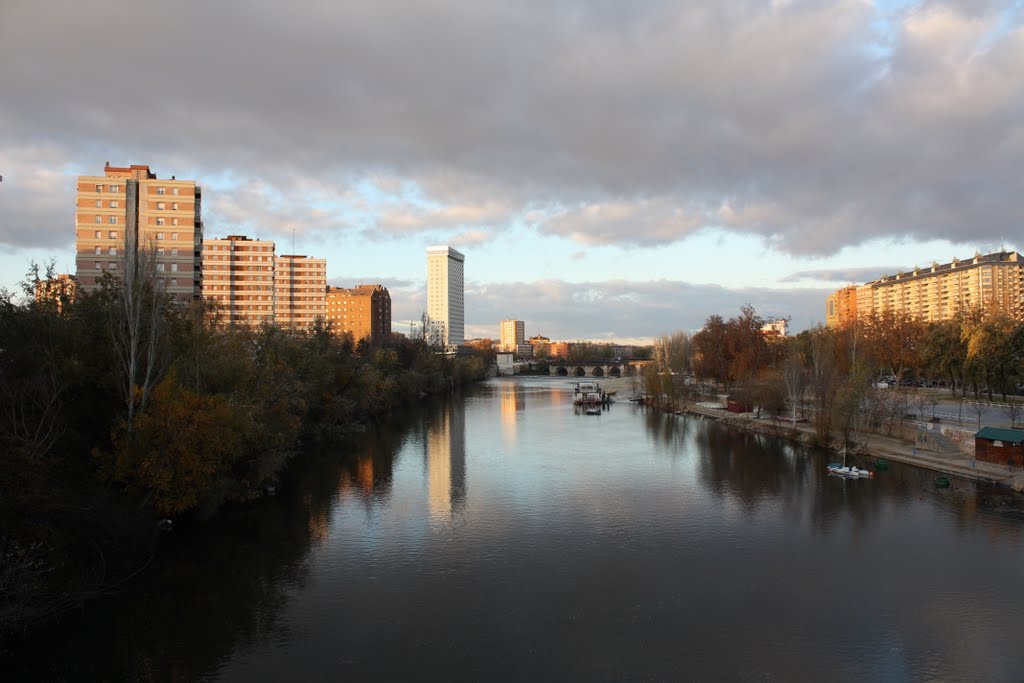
point(562, 371)
point(615, 371)
point(579, 372)
point(598, 371)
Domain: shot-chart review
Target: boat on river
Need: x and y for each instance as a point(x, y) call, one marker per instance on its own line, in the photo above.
point(590, 394)
point(853, 472)
point(593, 411)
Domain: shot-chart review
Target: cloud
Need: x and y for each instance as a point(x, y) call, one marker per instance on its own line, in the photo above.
point(595, 310)
point(37, 205)
point(805, 124)
point(844, 276)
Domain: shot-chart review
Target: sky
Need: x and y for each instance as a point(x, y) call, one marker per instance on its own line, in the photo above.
point(611, 170)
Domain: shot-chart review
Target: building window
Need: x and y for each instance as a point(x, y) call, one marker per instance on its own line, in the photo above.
point(99, 203)
point(159, 267)
point(159, 221)
point(174, 235)
point(113, 220)
point(98, 266)
point(112, 251)
point(174, 283)
point(174, 267)
point(160, 206)
point(174, 251)
point(114, 188)
point(99, 188)
point(99, 234)
point(99, 219)
point(99, 250)
point(174, 221)
point(174, 190)
point(113, 203)
point(112, 266)
point(112, 235)
point(161, 190)
point(159, 235)
point(174, 206)
point(160, 251)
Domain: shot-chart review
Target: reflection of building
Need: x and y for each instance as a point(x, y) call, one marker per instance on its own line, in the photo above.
point(511, 404)
point(364, 311)
point(445, 460)
point(445, 305)
point(991, 282)
point(129, 209)
point(238, 277)
point(513, 333)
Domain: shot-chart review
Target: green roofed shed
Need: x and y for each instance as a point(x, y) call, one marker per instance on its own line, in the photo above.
point(997, 434)
point(1000, 446)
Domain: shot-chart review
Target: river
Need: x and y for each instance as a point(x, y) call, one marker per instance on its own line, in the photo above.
point(501, 535)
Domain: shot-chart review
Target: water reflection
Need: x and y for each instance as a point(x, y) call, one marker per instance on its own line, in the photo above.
point(512, 402)
point(631, 545)
point(444, 458)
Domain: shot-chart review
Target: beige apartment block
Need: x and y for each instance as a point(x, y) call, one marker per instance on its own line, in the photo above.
point(364, 311)
point(513, 333)
point(990, 283)
point(129, 208)
point(238, 276)
point(300, 291)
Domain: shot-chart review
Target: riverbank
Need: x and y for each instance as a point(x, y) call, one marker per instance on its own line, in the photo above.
point(878, 446)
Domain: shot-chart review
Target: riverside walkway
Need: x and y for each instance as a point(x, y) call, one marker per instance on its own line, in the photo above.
point(879, 446)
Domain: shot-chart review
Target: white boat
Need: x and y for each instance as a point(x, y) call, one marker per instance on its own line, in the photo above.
point(853, 472)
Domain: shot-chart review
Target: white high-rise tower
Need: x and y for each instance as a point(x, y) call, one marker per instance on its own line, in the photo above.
point(445, 306)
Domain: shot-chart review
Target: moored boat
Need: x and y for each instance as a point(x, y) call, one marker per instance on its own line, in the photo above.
point(853, 472)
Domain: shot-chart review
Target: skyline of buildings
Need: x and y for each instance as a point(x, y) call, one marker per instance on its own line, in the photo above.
point(129, 209)
point(991, 282)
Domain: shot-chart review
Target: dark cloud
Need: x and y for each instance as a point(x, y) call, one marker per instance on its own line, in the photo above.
point(612, 123)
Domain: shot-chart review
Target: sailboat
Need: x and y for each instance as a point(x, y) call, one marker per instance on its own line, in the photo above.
point(852, 472)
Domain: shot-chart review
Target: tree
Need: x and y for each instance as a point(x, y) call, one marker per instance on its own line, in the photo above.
point(137, 326)
point(710, 360)
point(795, 378)
point(943, 352)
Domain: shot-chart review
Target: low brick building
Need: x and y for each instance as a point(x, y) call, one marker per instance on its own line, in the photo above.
point(1000, 446)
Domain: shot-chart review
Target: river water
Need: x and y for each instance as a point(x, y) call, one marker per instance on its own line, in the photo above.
point(501, 535)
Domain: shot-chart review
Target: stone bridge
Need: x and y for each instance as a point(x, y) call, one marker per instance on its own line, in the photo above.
point(630, 368)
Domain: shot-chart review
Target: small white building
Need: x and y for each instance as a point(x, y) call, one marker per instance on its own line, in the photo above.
point(505, 366)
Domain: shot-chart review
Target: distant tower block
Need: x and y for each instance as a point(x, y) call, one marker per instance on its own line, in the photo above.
point(445, 304)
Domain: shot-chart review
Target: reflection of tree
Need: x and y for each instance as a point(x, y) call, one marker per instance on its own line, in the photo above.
point(666, 429)
point(214, 588)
